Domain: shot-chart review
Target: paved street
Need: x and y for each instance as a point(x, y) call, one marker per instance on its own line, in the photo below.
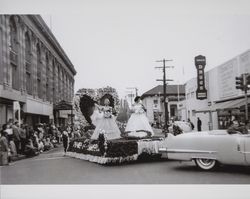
point(54, 168)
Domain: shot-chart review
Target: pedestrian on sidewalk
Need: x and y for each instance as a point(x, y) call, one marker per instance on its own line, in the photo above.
point(4, 148)
point(199, 123)
point(23, 137)
point(16, 136)
point(65, 138)
point(191, 124)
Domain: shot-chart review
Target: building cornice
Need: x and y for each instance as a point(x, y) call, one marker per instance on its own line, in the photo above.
point(42, 26)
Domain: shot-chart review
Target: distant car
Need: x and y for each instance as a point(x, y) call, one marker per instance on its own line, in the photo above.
point(209, 148)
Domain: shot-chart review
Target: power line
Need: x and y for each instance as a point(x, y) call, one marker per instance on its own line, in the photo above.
point(136, 90)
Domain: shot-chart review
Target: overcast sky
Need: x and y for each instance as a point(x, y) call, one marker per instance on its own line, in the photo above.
point(116, 43)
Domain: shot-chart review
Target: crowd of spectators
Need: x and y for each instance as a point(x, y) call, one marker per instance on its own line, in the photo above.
point(25, 140)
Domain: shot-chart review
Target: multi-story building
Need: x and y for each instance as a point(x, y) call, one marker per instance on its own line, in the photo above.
point(153, 101)
point(224, 102)
point(34, 69)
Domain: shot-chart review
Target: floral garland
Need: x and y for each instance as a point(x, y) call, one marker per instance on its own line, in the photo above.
point(102, 142)
point(126, 134)
point(103, 151)
point(96, 95)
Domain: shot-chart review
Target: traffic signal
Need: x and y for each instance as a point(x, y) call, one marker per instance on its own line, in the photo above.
point(239, 82)
point(248, 82)
point(248, 79)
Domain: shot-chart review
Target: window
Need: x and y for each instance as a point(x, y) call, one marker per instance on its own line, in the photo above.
point(67, 90)
point(39, 84)
point(54, 82)
point(14, 76)
point(13, 53)
point(156, 101)
point(28, 64)
point(62, 88)
point(13, 35)
point(47, 79)
point(59, 83)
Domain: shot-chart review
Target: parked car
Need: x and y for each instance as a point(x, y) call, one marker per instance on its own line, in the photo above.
point(209, 148)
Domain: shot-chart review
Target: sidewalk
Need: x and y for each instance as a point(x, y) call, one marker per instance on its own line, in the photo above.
point(21, 156)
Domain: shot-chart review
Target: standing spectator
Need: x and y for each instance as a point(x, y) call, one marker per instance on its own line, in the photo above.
point(8, 129)
point(4, 148)
point(45, 130)
point(23, 137)
point(59, 134)
point(35, 139)
point(56, 133)
point(199, 123)
point(65, 138)
point(50, 130)
point(16, 136)
point(191, 124)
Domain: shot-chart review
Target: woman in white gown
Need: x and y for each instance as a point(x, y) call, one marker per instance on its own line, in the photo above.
point(105, 122)
point(138, 124)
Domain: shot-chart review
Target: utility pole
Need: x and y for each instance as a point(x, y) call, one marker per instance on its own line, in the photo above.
point(165, 102)
point(136, 90)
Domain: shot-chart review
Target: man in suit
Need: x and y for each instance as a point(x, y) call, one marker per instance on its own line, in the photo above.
point(199, 123)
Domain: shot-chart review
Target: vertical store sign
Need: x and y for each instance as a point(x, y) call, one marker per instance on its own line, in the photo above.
point(200, 62)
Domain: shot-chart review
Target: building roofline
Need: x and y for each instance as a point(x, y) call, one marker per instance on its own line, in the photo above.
point(147, 93)
point(38, 20)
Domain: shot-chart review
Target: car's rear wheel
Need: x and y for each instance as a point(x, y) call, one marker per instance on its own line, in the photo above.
point(206, 164)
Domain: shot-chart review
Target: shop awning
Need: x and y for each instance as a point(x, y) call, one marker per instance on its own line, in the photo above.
point(229, 105)
point(63, 105)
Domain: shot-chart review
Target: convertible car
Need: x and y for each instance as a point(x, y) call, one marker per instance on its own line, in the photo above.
point(209, 148)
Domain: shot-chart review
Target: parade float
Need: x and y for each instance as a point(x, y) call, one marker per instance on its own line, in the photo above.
point(103, 150)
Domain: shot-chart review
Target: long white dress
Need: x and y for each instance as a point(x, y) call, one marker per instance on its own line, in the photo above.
point(96, 116)
point(138, 124)
point(107, 125)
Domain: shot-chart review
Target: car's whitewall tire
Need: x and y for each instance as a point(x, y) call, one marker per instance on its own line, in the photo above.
point(205, 164)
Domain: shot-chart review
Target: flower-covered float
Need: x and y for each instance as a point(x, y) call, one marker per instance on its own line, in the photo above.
point(104, 150)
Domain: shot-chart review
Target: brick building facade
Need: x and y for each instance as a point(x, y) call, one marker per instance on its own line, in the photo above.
point(34, 69)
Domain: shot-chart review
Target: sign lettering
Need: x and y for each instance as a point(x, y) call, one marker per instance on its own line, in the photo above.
point(200, 62)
